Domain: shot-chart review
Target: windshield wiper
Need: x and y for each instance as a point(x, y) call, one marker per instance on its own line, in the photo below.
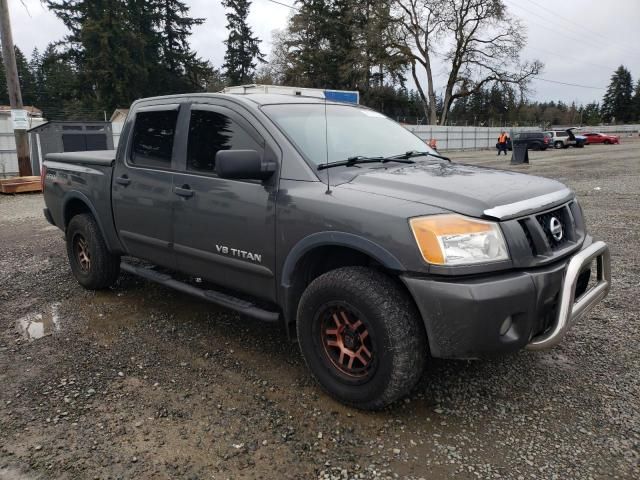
point(412, 154)
point(349, 162)
point(401, 158)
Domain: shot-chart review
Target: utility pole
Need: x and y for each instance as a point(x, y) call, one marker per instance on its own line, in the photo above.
point(13, 87)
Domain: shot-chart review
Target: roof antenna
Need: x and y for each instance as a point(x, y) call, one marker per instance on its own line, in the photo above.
point(326, 143)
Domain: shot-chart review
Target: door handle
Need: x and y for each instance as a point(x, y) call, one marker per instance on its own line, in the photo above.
point(184, 191)
point(123, 180)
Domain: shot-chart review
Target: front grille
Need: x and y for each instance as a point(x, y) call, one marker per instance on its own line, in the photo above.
point(546, 220)
point(539, 230)
point(530, 241)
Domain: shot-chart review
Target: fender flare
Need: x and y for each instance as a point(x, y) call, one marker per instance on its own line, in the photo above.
point(337, 239)
point(75, 195)
point(326, 239)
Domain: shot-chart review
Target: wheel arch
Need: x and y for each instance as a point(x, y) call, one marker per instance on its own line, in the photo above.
point(76, 203)
point(324, 251)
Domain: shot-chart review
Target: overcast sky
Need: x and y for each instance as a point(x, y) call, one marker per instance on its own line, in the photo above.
point(580, 41)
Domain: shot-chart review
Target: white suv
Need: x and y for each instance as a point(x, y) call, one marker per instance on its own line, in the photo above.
point(565, 138)
point(559, 138)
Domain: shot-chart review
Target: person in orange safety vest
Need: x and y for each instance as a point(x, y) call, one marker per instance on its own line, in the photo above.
point(502, 143)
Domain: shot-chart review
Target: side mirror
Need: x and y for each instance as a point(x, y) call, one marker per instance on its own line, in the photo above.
point(243, 165)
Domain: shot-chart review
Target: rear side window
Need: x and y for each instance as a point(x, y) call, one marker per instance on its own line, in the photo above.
point(210, 132)
point(153, 135)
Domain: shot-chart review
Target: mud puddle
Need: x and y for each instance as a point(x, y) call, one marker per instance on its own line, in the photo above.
point(36, 325)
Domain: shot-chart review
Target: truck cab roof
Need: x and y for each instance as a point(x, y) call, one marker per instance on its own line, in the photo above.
point(252, 99)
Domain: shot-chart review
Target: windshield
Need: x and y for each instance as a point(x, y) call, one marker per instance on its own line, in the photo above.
point(351, 132)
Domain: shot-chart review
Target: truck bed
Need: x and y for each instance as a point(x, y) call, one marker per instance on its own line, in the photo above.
point(79, 180)
point(105, 158)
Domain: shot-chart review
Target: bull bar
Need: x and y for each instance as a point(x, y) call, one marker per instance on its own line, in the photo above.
point(570, 309)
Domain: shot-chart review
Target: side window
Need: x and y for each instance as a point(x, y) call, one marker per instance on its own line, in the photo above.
point(153, 138)
point(210, 132)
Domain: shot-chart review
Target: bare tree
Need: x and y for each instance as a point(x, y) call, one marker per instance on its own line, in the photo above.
point(478, 42)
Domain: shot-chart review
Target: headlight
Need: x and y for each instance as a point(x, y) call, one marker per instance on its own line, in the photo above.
point(456, 240)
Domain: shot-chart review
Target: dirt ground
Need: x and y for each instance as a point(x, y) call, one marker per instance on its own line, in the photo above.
point(142, 382)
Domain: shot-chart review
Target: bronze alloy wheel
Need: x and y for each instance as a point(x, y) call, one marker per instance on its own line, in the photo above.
point(347, 342)
point(81, 250)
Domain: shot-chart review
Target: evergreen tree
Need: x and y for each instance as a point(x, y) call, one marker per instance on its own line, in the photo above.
point(4, 93)
point(58, 86)
point(185, 72)
point(591, 114)
point(127, 49)
point(27, 80)
point(636, 102)
point(616, 104)
point(25, 76)
point(343, 44)
point(243, 48)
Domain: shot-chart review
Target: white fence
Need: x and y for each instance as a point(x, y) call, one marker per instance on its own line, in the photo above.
point(464, 138)
point(447, 138)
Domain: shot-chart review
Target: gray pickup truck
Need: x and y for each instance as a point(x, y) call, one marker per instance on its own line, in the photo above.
point(370, 248)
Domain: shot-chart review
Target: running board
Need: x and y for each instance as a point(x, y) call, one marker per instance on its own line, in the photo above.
point(227, 301)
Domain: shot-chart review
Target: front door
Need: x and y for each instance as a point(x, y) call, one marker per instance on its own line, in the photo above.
point(224, 230)
point(143, 184)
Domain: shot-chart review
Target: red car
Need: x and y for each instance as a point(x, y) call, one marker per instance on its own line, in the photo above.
point(601, 138)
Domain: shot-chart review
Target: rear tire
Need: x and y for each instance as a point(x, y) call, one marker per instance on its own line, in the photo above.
point(361, 336)
point(91, 262)
point(607, 142)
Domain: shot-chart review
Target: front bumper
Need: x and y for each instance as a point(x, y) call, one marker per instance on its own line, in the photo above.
point(471, 318)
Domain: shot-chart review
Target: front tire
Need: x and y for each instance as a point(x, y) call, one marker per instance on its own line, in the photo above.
point(91, 262)
point(558, 145)
point(361, 336)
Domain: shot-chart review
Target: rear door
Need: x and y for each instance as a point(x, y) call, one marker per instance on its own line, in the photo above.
point(224, 230)
point(143, 183)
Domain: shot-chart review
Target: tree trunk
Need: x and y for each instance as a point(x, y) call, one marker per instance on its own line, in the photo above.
point(425, 102)
point(433, 112)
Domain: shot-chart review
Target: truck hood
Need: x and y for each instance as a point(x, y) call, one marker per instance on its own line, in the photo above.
point(466, 189)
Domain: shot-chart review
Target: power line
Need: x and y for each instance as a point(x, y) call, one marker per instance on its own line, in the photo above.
point(593, 32)
point(569, 84)
point(570, 60)
point(284, 5)
point(585, 40)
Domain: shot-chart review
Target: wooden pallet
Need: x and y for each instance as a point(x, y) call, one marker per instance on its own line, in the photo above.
point(20, 185)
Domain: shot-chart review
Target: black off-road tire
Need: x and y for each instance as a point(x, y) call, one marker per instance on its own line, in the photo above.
point(84, 241)
point(394, 328)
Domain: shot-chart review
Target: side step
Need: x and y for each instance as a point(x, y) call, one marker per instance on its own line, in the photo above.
point(227, 301)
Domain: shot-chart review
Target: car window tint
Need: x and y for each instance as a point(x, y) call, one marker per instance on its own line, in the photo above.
point(210, 132)
point(153, 135)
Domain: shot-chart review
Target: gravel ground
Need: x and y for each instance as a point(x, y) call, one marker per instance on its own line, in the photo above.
point(142, 382)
